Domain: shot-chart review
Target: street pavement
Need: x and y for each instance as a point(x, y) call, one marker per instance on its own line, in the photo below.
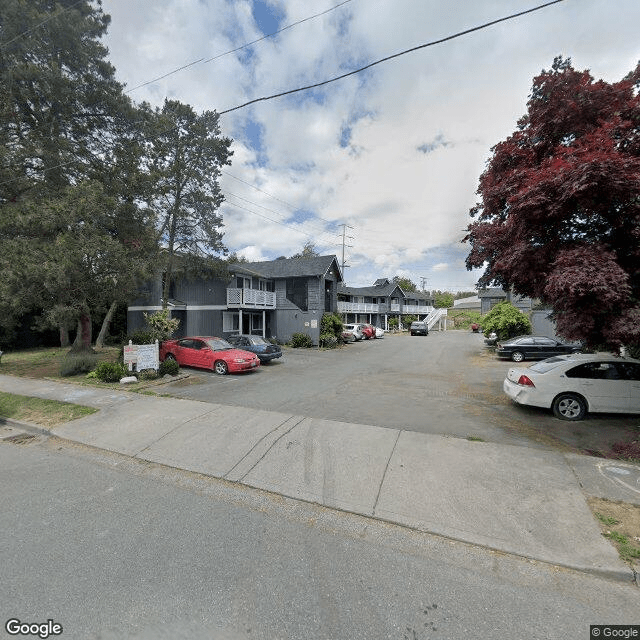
point(519, 500)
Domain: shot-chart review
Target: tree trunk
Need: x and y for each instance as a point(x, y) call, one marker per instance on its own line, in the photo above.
point(76, 343)
point(64, 337)
point(104, 330)
point(83, 339)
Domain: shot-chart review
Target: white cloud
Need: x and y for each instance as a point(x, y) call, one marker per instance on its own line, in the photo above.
point(419, 127)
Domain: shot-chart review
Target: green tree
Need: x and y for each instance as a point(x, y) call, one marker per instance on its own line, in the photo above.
point(184, 154)
point(63, 128)
point(63, 253)
point(59, 96)
point(443, 299)
point(506, 321)
point(404, 283)
point(308, 251)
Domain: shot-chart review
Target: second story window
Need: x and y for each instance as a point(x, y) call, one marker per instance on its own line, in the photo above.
point(297, 292)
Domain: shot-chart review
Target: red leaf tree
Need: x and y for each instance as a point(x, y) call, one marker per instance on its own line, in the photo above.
point(559, 216)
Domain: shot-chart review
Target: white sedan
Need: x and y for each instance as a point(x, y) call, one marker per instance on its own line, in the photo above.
point(573, 384)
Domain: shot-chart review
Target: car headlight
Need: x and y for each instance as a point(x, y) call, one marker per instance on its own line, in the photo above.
point(239, 360)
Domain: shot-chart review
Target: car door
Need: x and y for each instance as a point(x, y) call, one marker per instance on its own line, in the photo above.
point(631, 374)
point(547, 347)
point(183, 351)
point(602, 384)
point(201, 354)
point(526, 346)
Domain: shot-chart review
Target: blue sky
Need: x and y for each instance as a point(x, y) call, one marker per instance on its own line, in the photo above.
point(395, 152)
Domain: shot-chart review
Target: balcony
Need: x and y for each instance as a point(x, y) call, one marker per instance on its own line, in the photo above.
point(357, 307)
point(416, 309)
point(250, 299)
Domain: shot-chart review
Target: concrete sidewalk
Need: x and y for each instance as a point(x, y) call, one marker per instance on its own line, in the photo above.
point(518, 500)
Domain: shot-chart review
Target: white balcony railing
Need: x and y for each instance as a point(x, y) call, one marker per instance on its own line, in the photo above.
point(415, 308)
point(251, 298)
point(357, 307)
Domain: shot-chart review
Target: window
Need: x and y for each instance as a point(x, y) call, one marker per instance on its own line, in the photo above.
point(297, 292)
point(629, 370)
point(595, 371)
point(230, 322)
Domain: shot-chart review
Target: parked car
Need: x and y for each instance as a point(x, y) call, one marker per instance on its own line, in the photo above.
point(419, 328)
point(379, 332)
point(355, 329)
point(208, 352)
point(368, 330)
point(573, 384)
point(533, 348)
point(348, 336)
point(264, 349)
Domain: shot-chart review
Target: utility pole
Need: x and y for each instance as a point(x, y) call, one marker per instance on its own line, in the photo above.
point(344, 238)
point(423, 282)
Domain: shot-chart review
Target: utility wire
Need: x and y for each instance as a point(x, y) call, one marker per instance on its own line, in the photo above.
point(255, 204)
point(266, 193)
point(284, 224)
point(240, 48)
point(37, 26)
point(391, 57)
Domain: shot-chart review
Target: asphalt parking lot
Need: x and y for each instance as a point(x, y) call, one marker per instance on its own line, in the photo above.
point(445, 383)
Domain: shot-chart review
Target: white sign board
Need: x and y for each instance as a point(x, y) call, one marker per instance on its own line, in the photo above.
point(145, 356)
point(148, 357)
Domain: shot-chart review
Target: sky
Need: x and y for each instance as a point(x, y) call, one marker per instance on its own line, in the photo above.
point(385, 162)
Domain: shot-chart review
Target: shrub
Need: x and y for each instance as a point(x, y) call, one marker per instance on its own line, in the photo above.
point(161, 326)
point(328, 340)
point(76, 363)
point(148, 374)
point(142, 336)
point(111, 371)
point(464, 318)
point(301, 340)
point(506, 321)
point(170, 367)
point(331, 329)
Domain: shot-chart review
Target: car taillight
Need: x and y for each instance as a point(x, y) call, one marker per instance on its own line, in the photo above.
point(525, 381)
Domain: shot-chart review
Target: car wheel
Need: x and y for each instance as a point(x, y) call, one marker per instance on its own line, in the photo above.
point(569, 406)
point(220, 367)
point(169, 357)
point(517, 356)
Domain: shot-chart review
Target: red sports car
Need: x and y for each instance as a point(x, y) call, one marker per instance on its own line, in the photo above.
point(208, 353)
point(368, 330)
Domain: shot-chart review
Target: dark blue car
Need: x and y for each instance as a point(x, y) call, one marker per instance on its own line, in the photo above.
point(256, 344)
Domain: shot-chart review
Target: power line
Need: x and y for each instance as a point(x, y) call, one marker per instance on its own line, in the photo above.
point(391, 57)
point(244, 46)
point(320, 230)
point(284, 224)
point(266, 193)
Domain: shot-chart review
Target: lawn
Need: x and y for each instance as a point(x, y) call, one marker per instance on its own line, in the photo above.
point(47, 413)
point(47, 362)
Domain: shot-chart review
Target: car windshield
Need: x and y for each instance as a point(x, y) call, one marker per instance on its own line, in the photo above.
point(218, 345)
point(257, 340)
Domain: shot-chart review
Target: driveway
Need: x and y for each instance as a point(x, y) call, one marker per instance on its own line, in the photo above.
point(444, 383)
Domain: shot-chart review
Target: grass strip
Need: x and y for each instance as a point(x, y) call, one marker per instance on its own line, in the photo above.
point(47, 413)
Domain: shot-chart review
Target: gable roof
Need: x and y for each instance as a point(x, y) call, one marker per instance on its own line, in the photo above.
point(290, 267)
point(383, 290)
